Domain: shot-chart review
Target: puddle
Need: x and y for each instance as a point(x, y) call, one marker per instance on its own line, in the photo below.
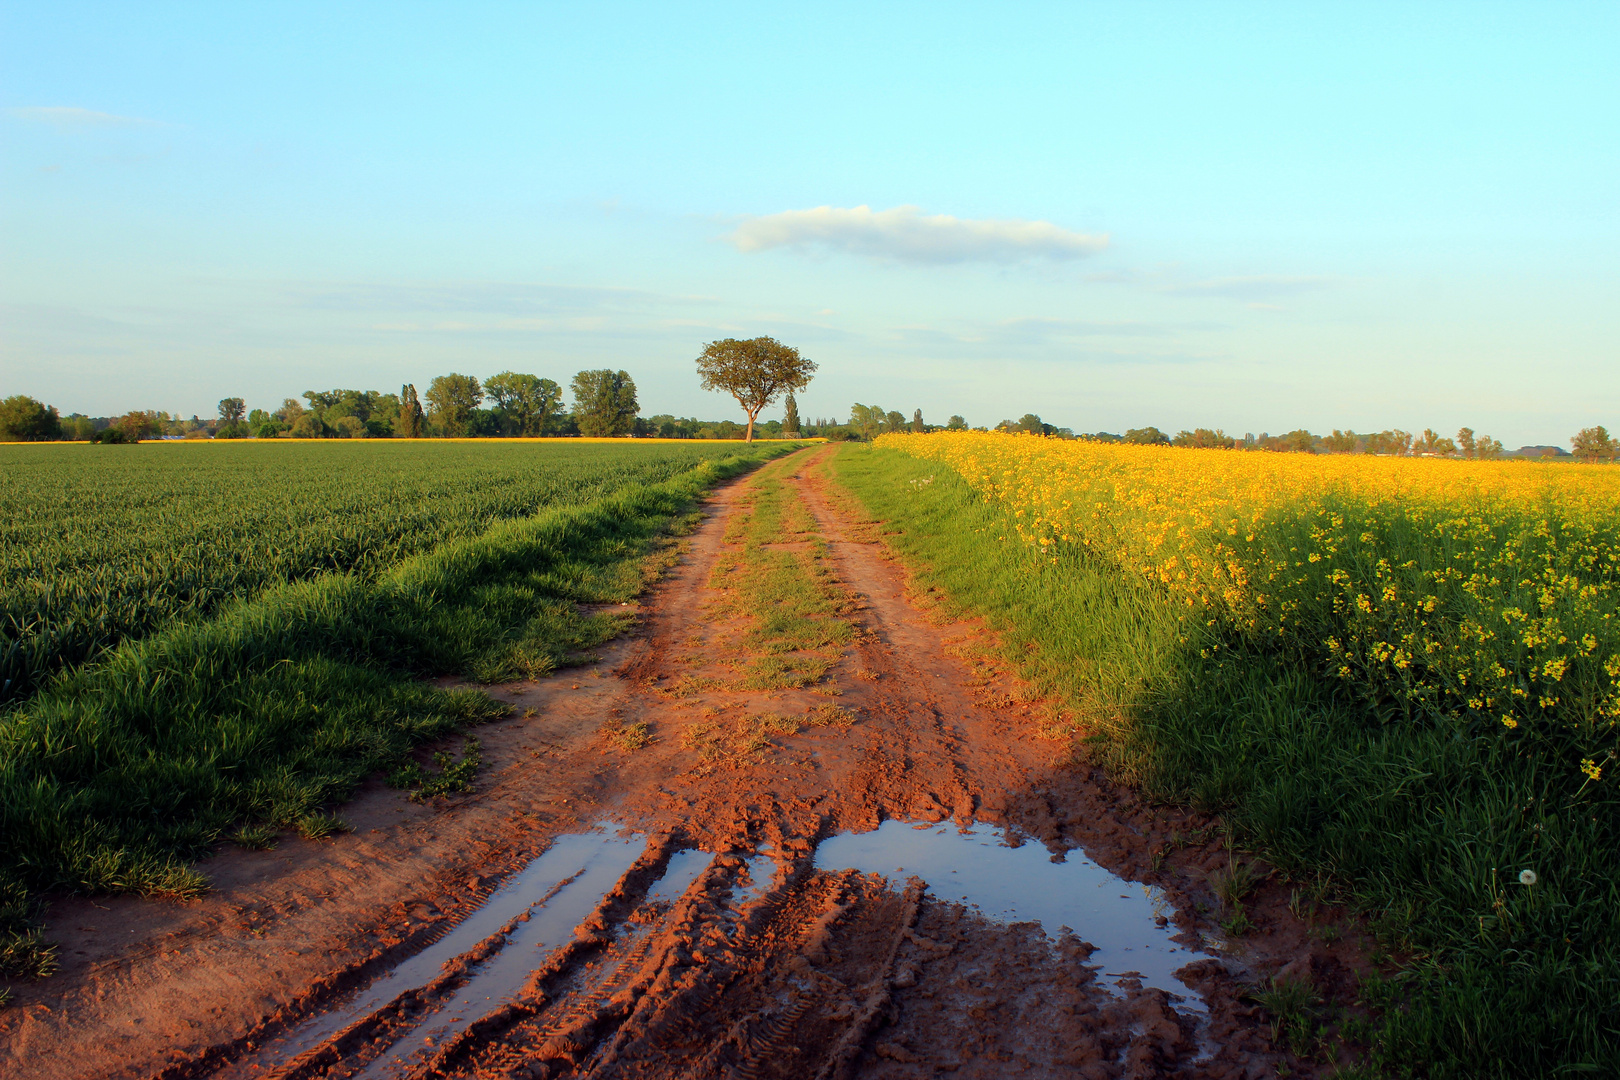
point(1022, 884)
point(557, 890)
point(683, 869)
point(759, 871)
point(586, 866)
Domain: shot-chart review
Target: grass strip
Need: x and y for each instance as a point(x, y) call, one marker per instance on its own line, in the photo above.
point(778, 578)
point(118, 774)
point(1426, 828)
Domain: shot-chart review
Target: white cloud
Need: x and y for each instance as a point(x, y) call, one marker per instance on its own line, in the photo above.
point(906, 234)
point(71, 116)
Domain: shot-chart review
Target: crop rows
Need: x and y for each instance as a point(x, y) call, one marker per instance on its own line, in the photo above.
point(103, 544)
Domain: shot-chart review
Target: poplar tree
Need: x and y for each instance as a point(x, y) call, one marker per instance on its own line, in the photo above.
point(790, 416)
point(409, 424)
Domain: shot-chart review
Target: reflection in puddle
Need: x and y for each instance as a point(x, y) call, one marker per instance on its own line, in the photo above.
point(759, 871)
point(683, 869)
point(586, 866)
point(557, 890)
point(1022, 884)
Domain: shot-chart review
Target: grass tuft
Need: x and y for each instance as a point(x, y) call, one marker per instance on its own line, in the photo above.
point(320, 826)
point(25, 954)
point(256, 837)
point(628, 737)
point(1292, 1004)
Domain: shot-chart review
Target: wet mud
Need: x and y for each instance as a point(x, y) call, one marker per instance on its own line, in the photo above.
point(926, 884)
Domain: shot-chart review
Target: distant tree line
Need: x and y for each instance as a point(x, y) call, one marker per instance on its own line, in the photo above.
point(605, 404)
point(508, 404)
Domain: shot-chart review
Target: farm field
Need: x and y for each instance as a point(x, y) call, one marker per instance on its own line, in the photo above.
point(982, 754)
point(101, 544)
point(1402, 677)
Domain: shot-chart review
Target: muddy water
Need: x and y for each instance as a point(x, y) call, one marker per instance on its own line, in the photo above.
point(538, 910)
point(593, 863)
point(976, 867)
point(556, 891)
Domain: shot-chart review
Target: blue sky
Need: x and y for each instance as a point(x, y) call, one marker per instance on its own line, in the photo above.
point(1257, 217)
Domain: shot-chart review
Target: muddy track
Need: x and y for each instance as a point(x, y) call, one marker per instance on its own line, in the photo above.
point(695, 935)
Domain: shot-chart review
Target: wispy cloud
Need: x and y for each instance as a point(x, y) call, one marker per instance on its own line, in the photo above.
point(71, 117)
point(906, 234)
point(1255, 289)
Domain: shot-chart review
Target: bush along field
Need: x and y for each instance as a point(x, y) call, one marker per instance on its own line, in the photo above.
point(116, 774)
point(1404, 674)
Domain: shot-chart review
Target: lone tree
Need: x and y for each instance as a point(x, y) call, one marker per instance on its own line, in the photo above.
point(754, 372)
point(604, 402)
point(790, 415)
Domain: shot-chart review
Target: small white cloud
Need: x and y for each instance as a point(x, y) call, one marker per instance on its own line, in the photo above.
point(71, 116)
point(906, 234)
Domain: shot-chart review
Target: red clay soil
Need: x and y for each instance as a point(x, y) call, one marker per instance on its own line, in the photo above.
point(756, 970)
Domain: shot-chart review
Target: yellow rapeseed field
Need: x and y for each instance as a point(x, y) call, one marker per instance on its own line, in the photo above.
point(1485, 593)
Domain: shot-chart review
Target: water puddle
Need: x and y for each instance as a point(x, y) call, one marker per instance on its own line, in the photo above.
point(556, 891)
point(538, 910)
point(753, 881)
point(586, 866)
point(1023, 884)
point(683, 869)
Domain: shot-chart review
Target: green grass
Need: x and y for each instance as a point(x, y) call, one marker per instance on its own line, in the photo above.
point(101, 544)
point(118, 774)
point(1424, 826)
point(797, 625)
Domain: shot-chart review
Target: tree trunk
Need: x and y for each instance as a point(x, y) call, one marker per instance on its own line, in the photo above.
point(750, 436)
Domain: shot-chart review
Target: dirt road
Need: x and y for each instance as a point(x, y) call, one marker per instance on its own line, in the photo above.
point(669, 869)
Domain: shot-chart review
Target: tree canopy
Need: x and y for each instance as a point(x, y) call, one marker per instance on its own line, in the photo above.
point(526, 401)
point(22, 419)
point(604, 402)
point(1593, 444)
point(1147, 436)
point(754, 372)
point(451, 400)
